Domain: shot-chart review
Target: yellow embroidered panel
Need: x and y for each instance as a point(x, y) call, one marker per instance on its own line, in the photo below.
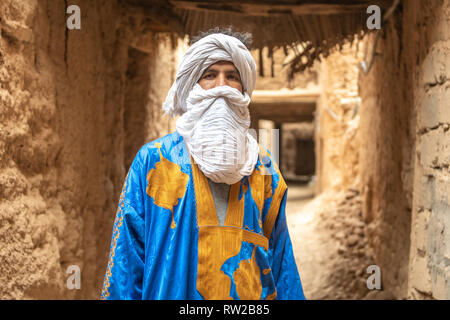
point(206, 214)
point(217, 244)
point(235, 210)
point(118, 221)
point(166, 183)
point(272, 214)
point(247, 279)
point(272, 296)
point(257, 188)
point(261, 189)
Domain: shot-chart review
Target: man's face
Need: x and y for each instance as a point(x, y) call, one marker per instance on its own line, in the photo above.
point(222, 73)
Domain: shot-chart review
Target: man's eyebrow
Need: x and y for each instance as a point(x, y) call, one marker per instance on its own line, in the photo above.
point(235, 72)
point(213, 70)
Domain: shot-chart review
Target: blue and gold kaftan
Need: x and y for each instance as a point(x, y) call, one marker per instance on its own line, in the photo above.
point(167, 242)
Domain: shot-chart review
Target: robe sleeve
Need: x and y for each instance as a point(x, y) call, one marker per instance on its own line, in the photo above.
point(284, 268)
point(124, 273)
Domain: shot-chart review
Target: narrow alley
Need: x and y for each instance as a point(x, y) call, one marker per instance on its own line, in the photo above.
point(361, 117)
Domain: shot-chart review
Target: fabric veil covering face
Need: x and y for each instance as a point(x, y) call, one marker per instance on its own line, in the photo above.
point(215, 130)
point(215, 122)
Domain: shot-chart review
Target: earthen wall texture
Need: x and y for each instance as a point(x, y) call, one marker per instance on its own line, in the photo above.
point(404, 170)
point(337, 121)
point(340, 239)
point(275, 66)
point(63, 95)
point(429, 267)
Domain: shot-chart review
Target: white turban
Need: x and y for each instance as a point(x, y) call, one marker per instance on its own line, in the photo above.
point(203, 53)
point(214, 123)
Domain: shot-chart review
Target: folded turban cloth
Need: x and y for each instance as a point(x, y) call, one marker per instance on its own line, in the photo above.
point(203, 53)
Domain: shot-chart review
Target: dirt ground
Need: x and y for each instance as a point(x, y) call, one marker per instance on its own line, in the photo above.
point(330, 267)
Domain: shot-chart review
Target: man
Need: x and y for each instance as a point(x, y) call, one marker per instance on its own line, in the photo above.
point(202, 210)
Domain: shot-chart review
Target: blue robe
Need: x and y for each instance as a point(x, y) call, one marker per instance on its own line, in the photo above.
point(167, 242)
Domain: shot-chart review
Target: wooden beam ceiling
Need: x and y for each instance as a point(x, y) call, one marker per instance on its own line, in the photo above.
point(284, 106)
point(283, 112)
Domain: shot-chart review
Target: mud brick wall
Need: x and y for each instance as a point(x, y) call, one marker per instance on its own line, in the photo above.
point(63, 96)
point(404, 166)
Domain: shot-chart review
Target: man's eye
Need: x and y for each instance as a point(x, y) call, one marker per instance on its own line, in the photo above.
point(209, 76)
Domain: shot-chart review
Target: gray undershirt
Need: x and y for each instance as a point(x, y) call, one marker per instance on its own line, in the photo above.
point(220, 193)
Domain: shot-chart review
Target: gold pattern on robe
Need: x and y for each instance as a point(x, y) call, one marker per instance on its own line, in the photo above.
point(277, 197)
point(272, 296)
point(235, 209)
point(118, 221)
point(247, 279)
point(272, 214)
point(256, 181)
point(267, 186)
point(261, 189)
point(216, 244)
point(166, 183)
